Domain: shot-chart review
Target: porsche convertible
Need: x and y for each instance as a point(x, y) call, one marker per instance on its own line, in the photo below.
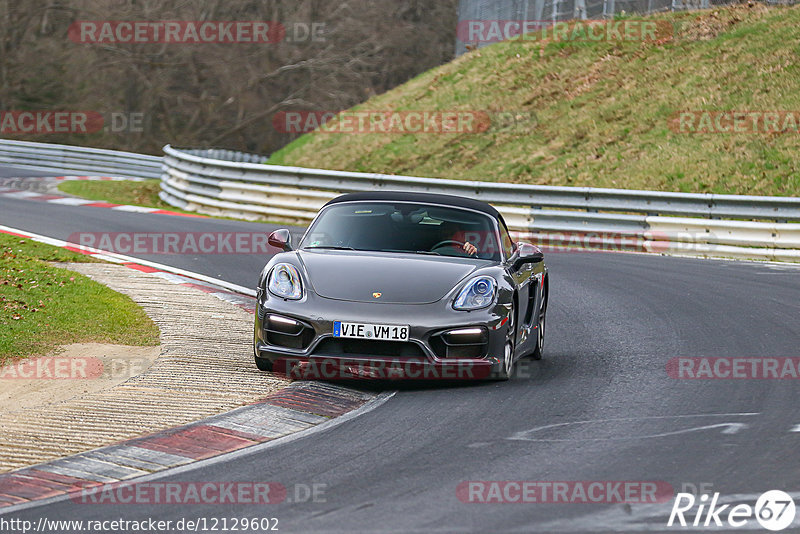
point(401, 285)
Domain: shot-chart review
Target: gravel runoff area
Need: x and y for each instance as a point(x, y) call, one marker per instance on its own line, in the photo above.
point(205, 368)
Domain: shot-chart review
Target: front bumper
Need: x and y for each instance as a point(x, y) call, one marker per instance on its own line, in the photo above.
point(314, 353)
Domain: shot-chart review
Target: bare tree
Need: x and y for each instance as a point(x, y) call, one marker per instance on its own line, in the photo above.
point(218, 94)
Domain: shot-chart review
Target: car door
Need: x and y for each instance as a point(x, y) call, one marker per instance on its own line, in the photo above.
point(526, 292)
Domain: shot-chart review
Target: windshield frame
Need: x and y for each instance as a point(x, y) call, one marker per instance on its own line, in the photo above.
point(493, 221)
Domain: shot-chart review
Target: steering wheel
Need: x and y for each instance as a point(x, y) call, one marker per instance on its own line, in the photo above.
point(447, 242)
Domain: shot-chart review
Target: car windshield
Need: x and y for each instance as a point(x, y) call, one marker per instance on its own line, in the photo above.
point(405, 228)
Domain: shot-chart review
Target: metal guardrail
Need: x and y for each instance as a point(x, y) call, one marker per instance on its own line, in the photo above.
point(225, 155)
point(676, 223)
point(230, 183)
point(63, 159)
point(209, 172)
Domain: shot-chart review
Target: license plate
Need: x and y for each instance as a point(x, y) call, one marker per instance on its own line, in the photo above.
point(380, 332)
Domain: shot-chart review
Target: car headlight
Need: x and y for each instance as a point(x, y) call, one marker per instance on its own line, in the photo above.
point(284, 282)
point(477, 293)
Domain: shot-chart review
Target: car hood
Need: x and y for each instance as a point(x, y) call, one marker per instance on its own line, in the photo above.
point(383, 277)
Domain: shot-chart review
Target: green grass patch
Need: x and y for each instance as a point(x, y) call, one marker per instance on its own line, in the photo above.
point(126, 192)
point(130, 193)
point(43, 306)
point(602, 111)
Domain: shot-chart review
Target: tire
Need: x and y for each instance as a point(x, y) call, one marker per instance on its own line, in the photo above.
point(541, 322)
point(263, 364)
point(507, 366)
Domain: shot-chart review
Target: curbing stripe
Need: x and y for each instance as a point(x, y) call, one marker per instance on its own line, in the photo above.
point(28, 489)
point(136, 209)
point(8, 500)
point(128, 462)
point(102, 205)
point(142, 268)
point(44, 483)
point(221, 434)
point(236, 433)
point(314, 402)
point(22, 194)
point(58, 468)
point(131, 452)
point(15, 234)
point(107, 258)
point(53, 477)
point(267, 421)
point(74, 201)
point(70, 201)
point(198, 442)
point(176, 214)
point(182, 448)
point(374, 402)
point(86, 464)
point(76, 250)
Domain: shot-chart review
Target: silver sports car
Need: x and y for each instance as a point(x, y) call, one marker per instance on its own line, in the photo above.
point(401, 285)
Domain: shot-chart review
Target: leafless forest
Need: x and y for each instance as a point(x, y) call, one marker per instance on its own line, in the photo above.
point(212, 94)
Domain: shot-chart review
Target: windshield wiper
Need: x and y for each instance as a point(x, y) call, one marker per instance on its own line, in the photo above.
point(399, 251)
point(396, 251)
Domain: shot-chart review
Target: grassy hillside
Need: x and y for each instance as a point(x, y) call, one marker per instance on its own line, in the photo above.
point(597, 113)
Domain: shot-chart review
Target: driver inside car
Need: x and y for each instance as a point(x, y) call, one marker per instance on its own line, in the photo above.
point(451, 232)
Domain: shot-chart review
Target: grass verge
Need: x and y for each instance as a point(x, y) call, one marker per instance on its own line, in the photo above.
point(128, 192)
point(43, 306)
point(133, 193)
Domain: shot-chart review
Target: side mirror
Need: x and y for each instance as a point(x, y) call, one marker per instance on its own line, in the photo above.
point(527, 253)
point(281, 239)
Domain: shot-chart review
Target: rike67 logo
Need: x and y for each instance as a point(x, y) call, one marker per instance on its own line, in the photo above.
point(774, 510)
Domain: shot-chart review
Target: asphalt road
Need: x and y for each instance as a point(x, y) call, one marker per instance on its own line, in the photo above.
point(7, 171)
point(599, 407)
point(65, 222)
